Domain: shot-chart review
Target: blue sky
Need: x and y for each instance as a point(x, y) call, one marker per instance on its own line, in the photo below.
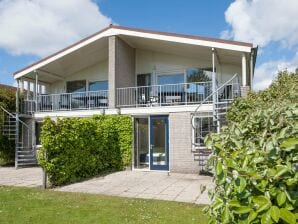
point(28, 39)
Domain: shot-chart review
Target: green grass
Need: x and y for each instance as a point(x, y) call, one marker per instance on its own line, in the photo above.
point(28, 205)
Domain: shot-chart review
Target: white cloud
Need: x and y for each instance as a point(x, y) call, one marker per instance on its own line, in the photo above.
point(266, 72)
point(42, 27)
point(263, 22)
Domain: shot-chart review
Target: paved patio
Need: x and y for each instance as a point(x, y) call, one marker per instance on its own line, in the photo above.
point(137, 184)
point(26, 177)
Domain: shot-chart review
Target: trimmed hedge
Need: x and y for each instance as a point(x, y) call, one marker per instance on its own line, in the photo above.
point(78, 148)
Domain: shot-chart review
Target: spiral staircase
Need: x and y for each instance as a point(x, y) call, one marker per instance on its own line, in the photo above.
point(20, 133)
point(219, 102)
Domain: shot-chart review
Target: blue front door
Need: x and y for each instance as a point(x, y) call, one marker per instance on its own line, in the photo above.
point(159, 143)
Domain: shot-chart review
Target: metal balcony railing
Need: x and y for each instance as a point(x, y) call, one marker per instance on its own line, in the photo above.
point(67, 101)
point(163, 95)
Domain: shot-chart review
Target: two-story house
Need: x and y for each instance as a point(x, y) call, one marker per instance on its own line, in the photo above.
point(176, 88)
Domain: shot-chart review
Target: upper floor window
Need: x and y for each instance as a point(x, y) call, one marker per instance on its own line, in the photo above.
point(199, 75)
point(170, 79)
point(76, 86)
point(98, 85)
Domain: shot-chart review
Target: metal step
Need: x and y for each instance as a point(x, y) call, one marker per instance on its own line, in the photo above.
point(26, 164)
point(27, 160)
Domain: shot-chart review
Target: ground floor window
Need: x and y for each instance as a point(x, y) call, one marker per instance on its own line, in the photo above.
point(38, 126)
point(202, 126)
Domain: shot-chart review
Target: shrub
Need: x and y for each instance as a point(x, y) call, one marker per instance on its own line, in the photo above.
point(284, 88)
point(6, 150)
point(8, 99)
point(78, 148)
point(255, 158)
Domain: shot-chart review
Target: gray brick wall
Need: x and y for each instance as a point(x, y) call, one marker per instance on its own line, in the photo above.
point(244, 90)
point(181, 157)
point(121, 67)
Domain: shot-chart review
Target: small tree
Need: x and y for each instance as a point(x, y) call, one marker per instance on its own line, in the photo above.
point(256, 158)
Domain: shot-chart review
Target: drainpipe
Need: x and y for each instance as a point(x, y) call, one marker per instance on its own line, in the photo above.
point(36, 90)
point(251, 68)
point(214, 96)
point(17, 124)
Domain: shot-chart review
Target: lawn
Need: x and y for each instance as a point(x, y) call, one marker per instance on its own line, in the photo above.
point(28, 205)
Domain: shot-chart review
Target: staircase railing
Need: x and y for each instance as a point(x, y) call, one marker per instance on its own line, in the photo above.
point(219, 109)
point(23, 142)
point(211, 95)
point(12, 115)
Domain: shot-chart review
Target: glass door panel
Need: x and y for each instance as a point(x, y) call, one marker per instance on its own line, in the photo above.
point(159, 148)
point(141, 143)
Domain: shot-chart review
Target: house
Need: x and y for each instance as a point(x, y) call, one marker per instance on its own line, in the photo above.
point(176, 87)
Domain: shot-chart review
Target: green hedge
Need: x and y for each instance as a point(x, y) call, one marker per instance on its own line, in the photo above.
point(255, 159)
point(79, 148)
point(7, 148)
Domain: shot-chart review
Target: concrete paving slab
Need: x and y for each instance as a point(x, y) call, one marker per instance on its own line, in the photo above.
point(26, 177)
point(137, 184)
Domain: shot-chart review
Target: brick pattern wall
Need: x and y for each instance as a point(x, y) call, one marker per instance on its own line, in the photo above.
point(181, 157)
point(244, 90)
point(121, 67)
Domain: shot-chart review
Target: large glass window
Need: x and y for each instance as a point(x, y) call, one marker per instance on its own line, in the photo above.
point(170, 79)
point(98, 85)
point(76, 86)
point(199, 85)
point(199, 75)
point(144, 79)
point(171, 83)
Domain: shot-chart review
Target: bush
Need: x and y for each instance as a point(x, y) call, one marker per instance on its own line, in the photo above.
point(8, 99)
point(255, 158)
point(78, 148)
point(285, 88)
point(6, 150)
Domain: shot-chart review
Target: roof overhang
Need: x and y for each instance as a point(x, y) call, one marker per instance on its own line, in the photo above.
point(137, 33)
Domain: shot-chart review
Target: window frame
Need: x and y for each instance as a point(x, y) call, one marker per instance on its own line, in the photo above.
point(195, 145)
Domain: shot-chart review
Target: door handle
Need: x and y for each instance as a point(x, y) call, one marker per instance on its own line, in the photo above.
point(151, 147)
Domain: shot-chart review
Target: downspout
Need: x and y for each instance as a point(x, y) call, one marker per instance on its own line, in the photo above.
point(17, 123)
point(214, 87)
point(36, 90)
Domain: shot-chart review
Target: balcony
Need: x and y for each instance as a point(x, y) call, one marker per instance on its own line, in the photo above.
point(174, 94)
point(67, 101)
point(130, 97)
point(163, 95)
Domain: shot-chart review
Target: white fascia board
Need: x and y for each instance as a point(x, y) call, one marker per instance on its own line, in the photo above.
point(105, 33)
point(127, 111)
point(183, 40)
